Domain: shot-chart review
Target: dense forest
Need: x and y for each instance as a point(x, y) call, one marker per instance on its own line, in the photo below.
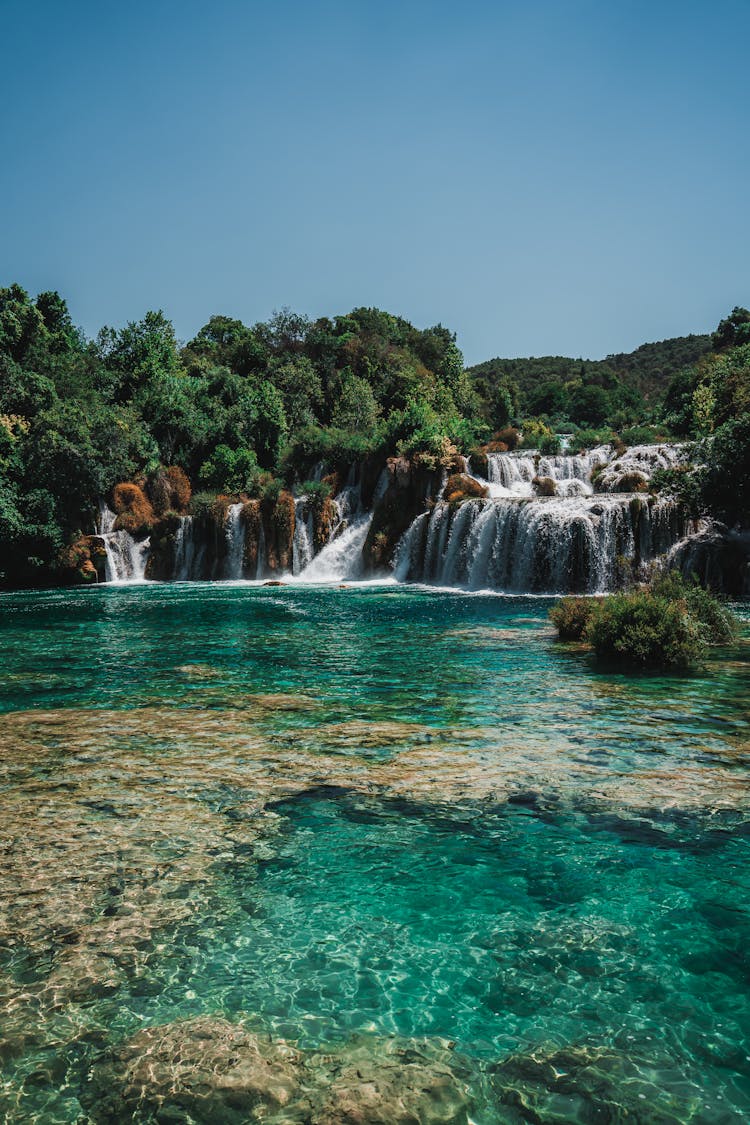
point(248, 410)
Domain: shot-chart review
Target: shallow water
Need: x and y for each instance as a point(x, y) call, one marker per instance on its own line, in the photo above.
point(385, 811)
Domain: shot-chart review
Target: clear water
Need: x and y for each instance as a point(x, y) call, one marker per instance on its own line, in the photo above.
point(377, 810)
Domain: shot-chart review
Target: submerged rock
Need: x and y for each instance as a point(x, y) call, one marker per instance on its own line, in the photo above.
point(203, 1070)
point(593, 1085)
point(211, 1071)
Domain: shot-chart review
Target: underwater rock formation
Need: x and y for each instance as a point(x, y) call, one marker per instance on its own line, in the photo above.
point(209, 1070)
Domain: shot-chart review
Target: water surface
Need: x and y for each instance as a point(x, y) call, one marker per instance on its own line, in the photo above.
point(379, 811)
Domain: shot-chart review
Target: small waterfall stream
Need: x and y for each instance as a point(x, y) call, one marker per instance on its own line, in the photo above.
point(126, 557)
point(235, 535)
point(303, 547)
point(341, 558)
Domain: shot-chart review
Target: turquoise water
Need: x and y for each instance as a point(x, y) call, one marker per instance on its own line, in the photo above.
point(377, 810)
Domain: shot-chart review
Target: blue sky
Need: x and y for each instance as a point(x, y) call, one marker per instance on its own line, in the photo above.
point(565, 178)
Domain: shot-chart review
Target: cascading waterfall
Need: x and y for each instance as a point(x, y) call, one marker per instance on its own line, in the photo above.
point(341, 558)
point(302, 545)
point(126, 557)
point(235, 534)
point(520, 542)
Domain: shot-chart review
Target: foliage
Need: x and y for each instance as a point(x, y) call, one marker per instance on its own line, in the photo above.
point(571, 616)
point(316, 490)
point(733, 330)
point(639, 628)
point(230, 470)
point(642, 435)
point(589, 439)
point(667, 624)
point(133, 508)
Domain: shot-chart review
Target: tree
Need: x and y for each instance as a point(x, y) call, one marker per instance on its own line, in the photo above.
point(271, 428)
point(733, 330)
point(356, 409)
point(230, 343)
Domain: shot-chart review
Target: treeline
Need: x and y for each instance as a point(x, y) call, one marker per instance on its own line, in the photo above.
point(619, 391)
point(244, 410)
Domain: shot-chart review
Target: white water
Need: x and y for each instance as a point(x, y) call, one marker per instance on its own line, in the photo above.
point(512, 474)
point(235, 535)
point(520, 542)
point(126, 557)
point(341, 558)
point(184, 550)
point(302, 546)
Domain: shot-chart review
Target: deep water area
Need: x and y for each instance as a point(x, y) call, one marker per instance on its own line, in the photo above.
point(374, 854)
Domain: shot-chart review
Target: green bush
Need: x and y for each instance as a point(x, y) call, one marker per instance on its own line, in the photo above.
point(571, 616)
point(667, 624)
point(647, 631)
point(716, 619)
point(589, 439)
point(642, 435)
point(315, 490)
point(230, 470)
point(338, 449)
point(549, 445)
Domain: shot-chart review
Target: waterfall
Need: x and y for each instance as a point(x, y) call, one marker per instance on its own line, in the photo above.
point(537, 546)
point(126, 557)
point(184, 550)
point(302, 545)
point(574, 540)
point(235, 536)
point(511, 474)
point(341, 558)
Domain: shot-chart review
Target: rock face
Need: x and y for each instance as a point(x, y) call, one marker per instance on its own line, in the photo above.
point(718, 557)
point(460, 486)
point(209, 1070)
point(410, 489)
point(160, 565)
point(278, 526)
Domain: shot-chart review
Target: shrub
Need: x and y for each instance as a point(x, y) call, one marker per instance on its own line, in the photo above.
point(315, 490)
point(549, 444)
point(544, 486)
point(714, 615)
point(133, 509)
point(667, 624)
point(272, 490)
point(230, 470)
point(536, 432)
point(642, 435)
point(459, 487)
point(632, 482)
point(571, 616)
point(207, 504)
point(335, 447)
point(589, 438)
point(509, 436)
point(180, 488)
point(644, 630)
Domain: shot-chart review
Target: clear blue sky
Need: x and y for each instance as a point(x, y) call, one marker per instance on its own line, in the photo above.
point(542, 177)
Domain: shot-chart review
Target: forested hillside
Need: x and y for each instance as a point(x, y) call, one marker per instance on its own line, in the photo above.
point(592, 391)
